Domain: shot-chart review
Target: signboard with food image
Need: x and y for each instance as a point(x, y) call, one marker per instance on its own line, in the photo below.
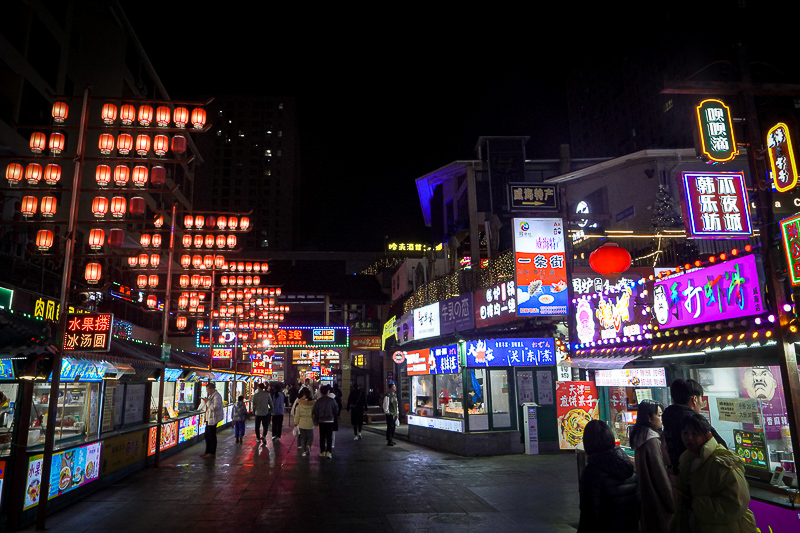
point(576, 406)
point(751, 447)
point(70, 469)
point(539, 267)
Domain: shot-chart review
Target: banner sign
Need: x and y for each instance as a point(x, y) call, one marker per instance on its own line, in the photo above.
point(389, 331)
point(426, 321)
point(532, 196)
point(455, 314)
point(69, 470)
point(723, 291)
point(576, 406)
point(632, 377)
point(511, 352)
point(310, 337)
point(365, 343)
point(495, 305)
point(716, 130)
point(417, 362)
point(90, 332)
point(716, 205)
point(443, 360)
point(781, 158)
point(540, 271)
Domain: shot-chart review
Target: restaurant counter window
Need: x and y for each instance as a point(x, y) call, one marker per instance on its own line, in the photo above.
point(8, 398)
point(185, 396)
point(450, 394)
point(621, 404)
point(73, 415)
point(501, 402)
point(422, 395)
point(475, 399)
point(170, 400)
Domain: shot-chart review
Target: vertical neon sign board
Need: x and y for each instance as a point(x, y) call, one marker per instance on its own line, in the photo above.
point(716, 130)
point(716, 205)
point(781, 158)
point(790, 229)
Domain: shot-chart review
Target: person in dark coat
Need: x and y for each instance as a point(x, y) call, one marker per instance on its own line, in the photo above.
point(687, 398)
point(655, 486)
point(357, 405)
point(608, 485)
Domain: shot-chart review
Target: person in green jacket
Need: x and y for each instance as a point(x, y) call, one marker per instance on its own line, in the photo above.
point(713, 495)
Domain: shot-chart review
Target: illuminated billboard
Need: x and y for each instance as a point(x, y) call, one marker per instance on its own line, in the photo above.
point(716, 205)
point(540, 271)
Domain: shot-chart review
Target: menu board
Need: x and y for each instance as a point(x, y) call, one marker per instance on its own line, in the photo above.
point(169, 437)
point(108, 407)
point(134, 403)
point(70, 469)
point(631, 377)
point(187, 428)
point(544, 380)
point(737, 409)
point(752, 448)
point(576, 406)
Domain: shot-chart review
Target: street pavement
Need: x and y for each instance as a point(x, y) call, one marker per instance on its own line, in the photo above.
point(366, 486)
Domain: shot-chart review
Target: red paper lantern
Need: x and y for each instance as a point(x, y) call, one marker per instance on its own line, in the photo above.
point(156, 241)
point(199, 222)
point(256, 267)
point(137, 206)
point(144, 260)
point(222, 222)
point(60, 112)
point(162, 116)
point(195, 280)
point(264, 267)
point(116, 237)
point(183, 280)
point(198, 118)
point(240, 280)
point(155, 260)
point(93, 272)
point(152, 301)
point(142, 144)
point(38, 142)
point(209, 242)
point(141, 281)
point(160, 144)
point(159, 221)
point(220, 241)
point(33, 173)
point(100, 206)
point(118, 207)
point(52, 174)
point(183, 301)
point(181, 117)
point(139, 177)
point(133, 261)
point(256, 280)
point(106, 143)
point(219, 261)
point(28, 206)
point(153, 281)
point(207, 282)
point(198, 241)
point(186, 261)
point(108, 113)
point(14, 173)
point(44, 239)
point(125, 143)
point(145, 115)
point(127, 114)
point(102, 175)
point(188, 221)
point(208, 261)
point(186, 240)
point(48, 207)
point(233, 223)
point(121, 175)
point(610, 259)
point(231, 241)
point(144, 240)
point(197, 261)
point(194, 301)
point(200, 324)
point(178, 144)
point(223, 280)
point(96, 238)
point(57, 141)
point(181, 322)
point(244, 223)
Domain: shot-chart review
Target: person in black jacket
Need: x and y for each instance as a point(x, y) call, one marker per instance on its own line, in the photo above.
point(357, 405)
point(687, 398)
point(608, 486)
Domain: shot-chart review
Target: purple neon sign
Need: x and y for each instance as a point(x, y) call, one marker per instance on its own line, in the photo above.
point(719, 292)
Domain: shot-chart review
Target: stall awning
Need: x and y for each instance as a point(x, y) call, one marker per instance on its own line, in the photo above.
point(599, 363)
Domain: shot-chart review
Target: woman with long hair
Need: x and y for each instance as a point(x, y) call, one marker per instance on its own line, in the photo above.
point(651, 458)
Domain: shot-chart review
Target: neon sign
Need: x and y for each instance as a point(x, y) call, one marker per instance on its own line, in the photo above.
point(716, 205)
point(781, 158)
point(790, 229)
point(716, 130)
point(89, 332)
point(511, 352)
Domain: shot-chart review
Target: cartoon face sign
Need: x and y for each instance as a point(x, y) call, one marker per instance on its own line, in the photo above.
point(660, 305)
point(759, 383)
point(584, 322)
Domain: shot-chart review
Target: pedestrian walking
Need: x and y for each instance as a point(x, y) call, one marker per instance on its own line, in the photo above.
point(293, 391)
point(651, 459)
point(212, 405)
point(608, 485)
point(357, 405)
point(324, 414)
point(713, 494)
point(262, 408)
point(279, 407)
point(301, 415)
point(392, 411)
point(239, 415)
point(687, 399)
point(337, 395)
point(332, 394)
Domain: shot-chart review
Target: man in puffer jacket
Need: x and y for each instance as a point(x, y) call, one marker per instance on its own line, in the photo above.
point(713, 493)
point(325, 413)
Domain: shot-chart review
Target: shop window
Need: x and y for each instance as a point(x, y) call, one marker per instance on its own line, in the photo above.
point(7, 404)
point(475, 398)
point(422, 396)
point(450, 395)
point(501, 402)
point(76, 414)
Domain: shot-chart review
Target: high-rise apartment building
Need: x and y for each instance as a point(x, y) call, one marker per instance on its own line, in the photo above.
point(252, 162)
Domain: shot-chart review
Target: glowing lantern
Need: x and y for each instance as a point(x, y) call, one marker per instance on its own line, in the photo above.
point(256, 267)
point(248, 267)
point(195, 280)
point(52, 174)
point(137, 206)
point(206, 282)
point(153, 281)
point(220, 241)
point(96, 238)
point(240, 266)
point(57, 141)
point(159, 221)
point(183, 301)
point(231, 241)
point(610, 259)
point(152, 301)
point(256, 280)
point(100, 206)
point(139, 176)
point(127, 114)
point(233, 223)
point(102, 175)
point(181, 322)
point(264, 267)
point(223, 280)
point(199, 222)
point(278, 291)
point(208, 261)
point(141, 281)
point(155, 260)
point(145, 115)
point(92, 273)
point(197, 261)
point(222, 222)
point(209, 242)
point(28, 206)
point(142, 144)
point(181, 117)
point(248, 280)
point(38, 142)
point(219, 261)
point(33, 173)
point(178, 144)
point(160, 144)
point(144, 260)
point(60, 112)
point(48, 207)
point(106, 143)
point(223, 296)
point(200, 324)
point(194, 301)
point(162, 116)
point(198, 241)
point(44, 239)
point(240, 280)
point(115, 238)
point(118, 207)
point(198, 118)
point(156, 241)
point(144, 240)
point(14, 173)
point(125, 143)
point(244, 223)
point(186, 261)
point(186, 240)
point(188, 221)
point(108, 113)
point(121, 175)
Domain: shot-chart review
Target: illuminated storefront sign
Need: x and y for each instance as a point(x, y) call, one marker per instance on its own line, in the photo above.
point(719, 292)
point(790, 229)
point(172, 374)
point(69, 470)
point(304, 337)
point(89, 332)
point(511, 352)
point(455, 314)
point(408, 247)
point(7, 369)
point(417, 362)
point(426, 321)
point(716, 130)
point(632, 377)
point(716, 205)
point(221, 353)
point(443, 360)
point(365, 343)
point(315, 357)
point(781, 158)
point(389, 331)
point(530, 196)
point(495, 305)
point(539, 268)
point(6, 297)
point(404, 327)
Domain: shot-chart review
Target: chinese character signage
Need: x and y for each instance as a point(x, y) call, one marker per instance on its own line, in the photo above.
point(607, 309)
point(510, 352)
point(540, 270)
point(90, 332)
point(716, 205)
point(532, 196)
point(221, 353)
point(73, 369)
point(719, 292)
point(455, 314)
point(790, 229)
point(365, 343)
point(576, 406)
point(495, 305)
point(631, 377)
point(417, 362)
point(752, 448)
point(781, 158)
point(407, 248)
point(426, 321)
point(716, 130)
point(310, 337)
point(389, 331)
point(69, 470)
point(443, 360)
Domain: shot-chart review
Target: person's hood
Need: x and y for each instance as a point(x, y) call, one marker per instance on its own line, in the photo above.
point(613, 462)
point(639, 440)
point(303, 401)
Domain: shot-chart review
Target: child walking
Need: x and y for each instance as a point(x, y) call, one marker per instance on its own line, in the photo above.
point(239, 415)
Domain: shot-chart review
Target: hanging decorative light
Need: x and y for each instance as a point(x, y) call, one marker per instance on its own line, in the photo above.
point(106, 143)
point(278, 291)
point(144, 260)
point(256, 280)
point(144, 240)
point(152, 301)
point(200, 324)
point(100, 206)
point(219, 261)
point(199, 222)
point(38, 142)
point(197, 261)
point(116, 237)
point(44, 239)
point(208, 261)
point(198, 241)
point(183, 280)
point(240, 266)
point(194, 301)
point(145, 115)
point(256, 267)
point(14, 173)
point(118, 207)
point(153, 280)
point(48, 206)
point(28, 206)
point(248, 267)
point(160, 144)
point(127, 114)
point(108, 113)
point(159, 221)
point(156, 241)
point(221, 241)
point(142, 144)
point(181, 117)
point(610, 259)
point(33, 173)
point(139, 177)
point(207, 280)
point(57, 141)
point(223, 280)
point(125, 143)
point(121, 175)
point(188, 221)
point(59, 112)
point(248, 280)
point(186, 261)
point(137, 206)
point(223, 296)
point(133, 261)
point(141, 281)
point(183, 301)
point(209, 240)
point(264, 267)
point(244, 223)
point(186, 240)
point(222, 222)
point(97, 238)
point(102, 175)
point(198, 118)
point(92, 273)
point(52, 174)
point(240, 280)
point(181, 322)
point(195, 280)
point(155, 260)
point(233, 223)
point(231, 241)
point(178, 144)
point(211, 221)
point(162, 116)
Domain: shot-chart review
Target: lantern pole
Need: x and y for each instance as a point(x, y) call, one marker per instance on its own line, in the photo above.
point(164, 330)
point(66, 279)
